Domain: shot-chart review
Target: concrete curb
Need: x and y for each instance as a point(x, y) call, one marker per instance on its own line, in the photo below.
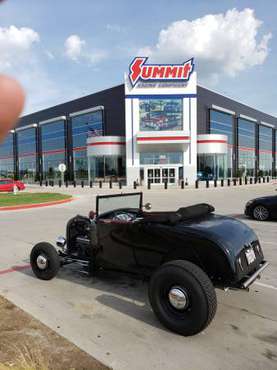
point(35, 205)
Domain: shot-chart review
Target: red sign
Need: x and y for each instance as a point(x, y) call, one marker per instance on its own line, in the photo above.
point(159, 72)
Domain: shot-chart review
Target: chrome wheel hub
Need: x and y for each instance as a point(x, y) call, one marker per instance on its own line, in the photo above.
point(260, 213)
point(42, 262)
point(178, 298)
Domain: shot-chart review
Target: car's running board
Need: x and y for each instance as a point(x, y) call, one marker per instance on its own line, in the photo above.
point(255, 276)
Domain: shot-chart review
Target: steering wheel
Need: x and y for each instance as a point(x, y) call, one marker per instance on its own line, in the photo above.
point(123, 216)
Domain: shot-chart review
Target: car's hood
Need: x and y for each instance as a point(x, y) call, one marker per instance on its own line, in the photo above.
point(229, 233)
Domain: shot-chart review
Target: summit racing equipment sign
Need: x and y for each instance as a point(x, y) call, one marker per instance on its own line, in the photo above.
point(139, 70)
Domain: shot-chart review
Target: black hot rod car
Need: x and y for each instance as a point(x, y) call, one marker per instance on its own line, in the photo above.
point(185, 254)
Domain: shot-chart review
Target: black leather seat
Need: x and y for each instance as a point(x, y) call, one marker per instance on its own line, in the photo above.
point(184, 213)
point(195, 211)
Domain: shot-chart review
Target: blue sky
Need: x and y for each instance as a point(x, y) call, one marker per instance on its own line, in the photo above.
point(235, 54)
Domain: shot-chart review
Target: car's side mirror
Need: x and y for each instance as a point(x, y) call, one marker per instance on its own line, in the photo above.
point(91, 215)
point(147, 206)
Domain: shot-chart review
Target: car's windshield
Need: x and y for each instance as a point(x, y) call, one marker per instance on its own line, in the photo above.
point(107, 203)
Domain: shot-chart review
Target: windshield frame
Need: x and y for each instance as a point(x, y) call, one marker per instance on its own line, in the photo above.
point(99, 197)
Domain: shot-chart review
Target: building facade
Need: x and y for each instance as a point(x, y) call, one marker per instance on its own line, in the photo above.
point(161, 130)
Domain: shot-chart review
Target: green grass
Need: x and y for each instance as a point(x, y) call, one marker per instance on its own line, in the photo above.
point(30, 198)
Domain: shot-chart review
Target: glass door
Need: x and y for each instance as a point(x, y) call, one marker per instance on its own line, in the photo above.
point(172, 176)
point(161, 175)
point(154, 175)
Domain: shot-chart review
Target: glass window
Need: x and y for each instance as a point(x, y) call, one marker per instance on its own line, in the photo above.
point(161, 114)
point(161, 158)
point(53, 148)
point(106, 167)
point(211, 166)
point(6, 157)
point(246, 147)
point(223, 124)
point(265, 151)
point(89, 124)
point(26, 142)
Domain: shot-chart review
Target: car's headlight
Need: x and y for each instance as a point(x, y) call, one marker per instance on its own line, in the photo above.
point(249, 202)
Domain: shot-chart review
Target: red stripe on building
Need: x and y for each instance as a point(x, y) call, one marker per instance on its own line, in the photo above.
point(245, 149)
point(9, 157)
point(107, 143)
point(212, 141)
point(265, 151)
point(53, 151)
point(164, 138)
point(79, 148)
point(27, 155)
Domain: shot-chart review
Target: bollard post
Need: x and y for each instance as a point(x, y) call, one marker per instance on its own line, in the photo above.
point(263, 180)
point(267, 179)
point(120, 184)
point(240, 181)
point(251, 181)
point(235, 182)
point(196, 184)
point(82, 183)
point(165, 184)
point(100, 184)
point(207, 184)
point(182, 184)
point(40, 183)
point(255, 180)
point(222, 182)
point(260, 180)
point(110, 184)
point(60, 183)
point(186, 183)
point(135, 184)
point(74, 183)
point(245, 180)
point(46, 183)
point(215, 183)
point(228, 182)
point(149, 185)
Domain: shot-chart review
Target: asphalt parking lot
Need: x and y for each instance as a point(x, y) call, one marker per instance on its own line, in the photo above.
point(110, 317)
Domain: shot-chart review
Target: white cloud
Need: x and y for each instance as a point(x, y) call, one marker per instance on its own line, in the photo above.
point(76, 49)
point(15, 45)
point(114, 28)
point(221, 43)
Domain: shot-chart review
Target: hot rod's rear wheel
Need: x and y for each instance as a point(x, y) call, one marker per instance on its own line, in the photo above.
point(45, 261)
point(183, 297)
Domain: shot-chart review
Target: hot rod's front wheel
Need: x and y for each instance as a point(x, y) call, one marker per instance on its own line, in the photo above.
point(183, 297)
point(45, 261)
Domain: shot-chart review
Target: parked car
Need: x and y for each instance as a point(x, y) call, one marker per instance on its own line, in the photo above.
point(7, 185)
point(185, 254)
point(203, 176)
point(262, 209)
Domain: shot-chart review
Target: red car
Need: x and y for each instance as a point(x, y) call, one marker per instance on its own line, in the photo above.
point(8, 185)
